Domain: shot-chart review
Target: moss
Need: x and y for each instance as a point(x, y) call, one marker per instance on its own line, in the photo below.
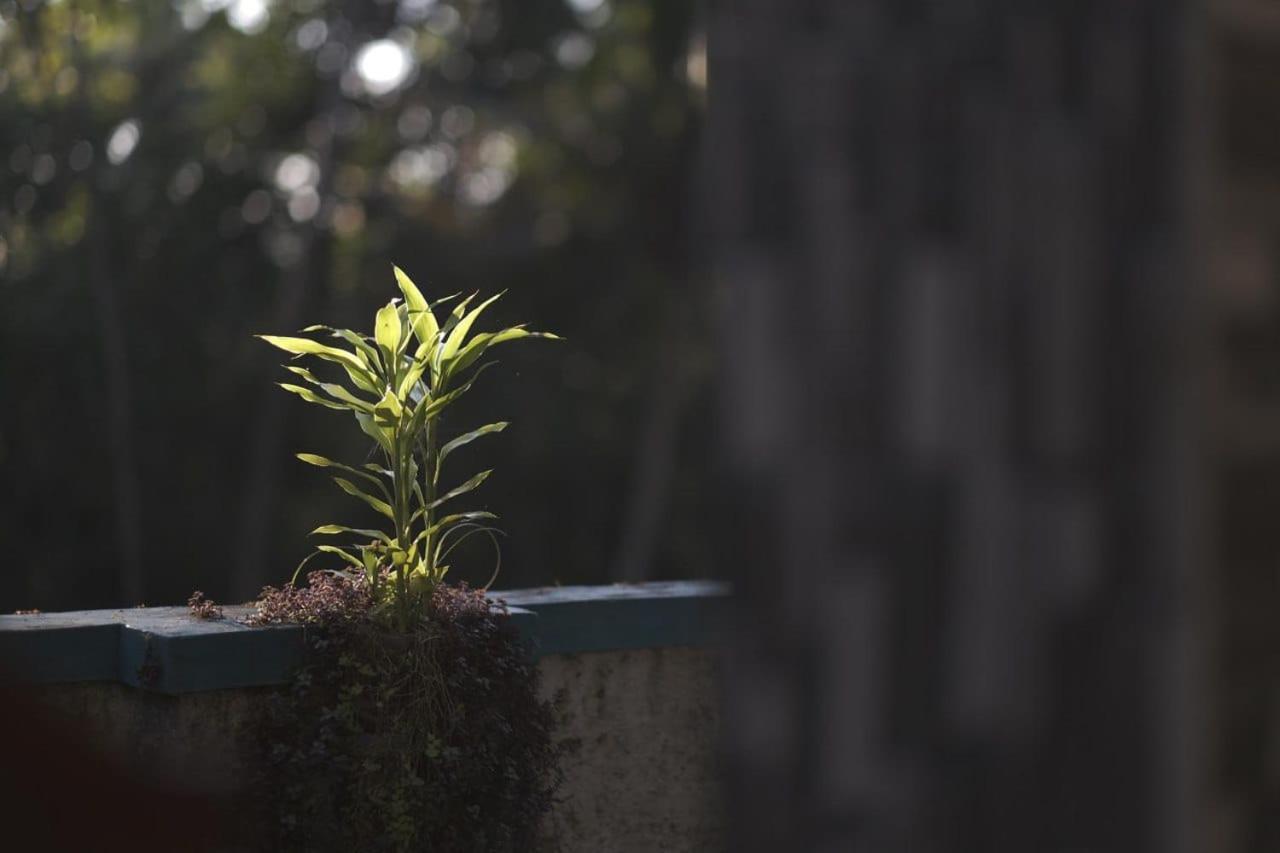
point(430, 739)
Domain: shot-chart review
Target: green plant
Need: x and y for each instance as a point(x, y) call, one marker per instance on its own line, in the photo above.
point(399, 382)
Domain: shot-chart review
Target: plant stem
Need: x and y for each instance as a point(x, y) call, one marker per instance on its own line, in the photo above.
point(429, 464)
point(399, 475)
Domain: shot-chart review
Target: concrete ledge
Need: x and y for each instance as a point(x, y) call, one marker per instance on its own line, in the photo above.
point(575, 619)
point(166, 650)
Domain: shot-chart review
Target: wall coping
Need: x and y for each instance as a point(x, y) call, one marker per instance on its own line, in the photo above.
point(166, 650)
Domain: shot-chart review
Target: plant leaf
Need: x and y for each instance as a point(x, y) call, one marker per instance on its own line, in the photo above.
point(458, 518)
point(469, 437)
point(388, 411)
point(306, 346)
point(425, 328)
point(386, 332)
point(374, 431)
point(411, 377)
point(336, 391)
point(480, 344)
point(335, 529)
point(367, 352)
point(312, 397)
point(460, 331)
point(468, 530)
point(333, 549)
point(322, 462)
point(440, 402)
point(468, 486)
point(353, 490)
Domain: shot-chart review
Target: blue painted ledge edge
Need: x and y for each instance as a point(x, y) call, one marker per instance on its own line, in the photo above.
point(166, 650)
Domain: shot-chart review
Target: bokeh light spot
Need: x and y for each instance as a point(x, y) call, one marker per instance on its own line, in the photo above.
point(123, 140)
point(383, 66)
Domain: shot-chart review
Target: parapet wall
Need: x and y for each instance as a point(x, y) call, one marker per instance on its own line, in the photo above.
point(632, 671)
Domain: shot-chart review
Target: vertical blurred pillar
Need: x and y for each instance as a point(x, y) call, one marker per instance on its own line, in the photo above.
point(958, 337)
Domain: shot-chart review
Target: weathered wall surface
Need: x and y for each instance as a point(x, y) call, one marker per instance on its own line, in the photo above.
point(640, 727)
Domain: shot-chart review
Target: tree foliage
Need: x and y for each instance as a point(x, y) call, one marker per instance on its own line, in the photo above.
point(176, 176)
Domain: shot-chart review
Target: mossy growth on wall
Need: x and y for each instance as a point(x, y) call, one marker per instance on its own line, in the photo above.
point(390, 740)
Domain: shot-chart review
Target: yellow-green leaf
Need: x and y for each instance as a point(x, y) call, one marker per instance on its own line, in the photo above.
point(312, 397)
point(460, 331)
point(386, 328)
point(330, 549)
point(425, 328)
point(353, 490)
point(388, 410)
point(336, 529)
point(306, 346)
point(471, 484)
point(374, 431)
point(322, 462)
point(469, 437)
point(336, 391)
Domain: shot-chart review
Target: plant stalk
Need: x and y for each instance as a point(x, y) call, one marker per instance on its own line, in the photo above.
point(429, 465)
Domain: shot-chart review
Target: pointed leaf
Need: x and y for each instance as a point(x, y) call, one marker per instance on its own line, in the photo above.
point(459, 333)
point(336, 391)
point(312, 397)
point(469, 437)
point(459, 518)
point(333, 549)
point(374, 431)
point(386, 332)
point(440, 402)
point(366, 351)
point(335, 529)
point(351, 489)
point(388, 411)
point(322, 462)
point(421, 318)
point(306, 346)
point(468, 486)
point(411, 377)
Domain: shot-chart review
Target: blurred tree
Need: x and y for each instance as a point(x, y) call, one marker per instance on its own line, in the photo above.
point(178, 176)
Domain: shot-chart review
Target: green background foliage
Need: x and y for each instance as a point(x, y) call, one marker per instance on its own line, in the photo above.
point(177, 177)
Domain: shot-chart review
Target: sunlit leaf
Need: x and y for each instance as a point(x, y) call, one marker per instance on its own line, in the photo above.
point(386, 331)
point(421, 318)
point(469, 437)
point(306, 346)
point(388, 411)
point(374, 431)
point(336, 529)
point(312, 397)
point(366, 351)
point(322, 462)
point(353, 490)
point(459, 333)
point(468, 486)
point(439, 403)
point(333, 549)
point(333, 390)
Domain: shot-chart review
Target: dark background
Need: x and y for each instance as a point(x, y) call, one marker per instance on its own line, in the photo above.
point(540, 147)
point(980, 411)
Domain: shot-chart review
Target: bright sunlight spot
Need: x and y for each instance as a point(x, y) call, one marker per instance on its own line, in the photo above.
point(383, 66)
point(123, 140)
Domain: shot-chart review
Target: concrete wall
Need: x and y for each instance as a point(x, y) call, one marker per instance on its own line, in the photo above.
point(641, 727)
point(630, 672)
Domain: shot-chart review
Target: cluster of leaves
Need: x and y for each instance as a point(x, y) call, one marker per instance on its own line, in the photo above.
point(328, 599)
point(427, 739)
point(401, 379)
point(202, 607)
